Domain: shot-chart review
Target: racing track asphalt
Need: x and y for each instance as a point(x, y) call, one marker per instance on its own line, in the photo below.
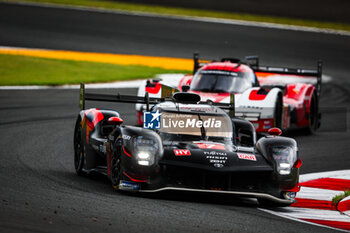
point(39, 191)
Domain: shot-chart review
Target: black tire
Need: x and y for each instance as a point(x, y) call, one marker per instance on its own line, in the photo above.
point(278, 112)
point(313, 115)
point(79, 151)
point(268, 203)
point(116, 173)
point(116, 170)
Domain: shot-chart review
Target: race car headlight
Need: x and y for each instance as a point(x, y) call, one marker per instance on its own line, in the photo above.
point(144, 150)
point(284, 157)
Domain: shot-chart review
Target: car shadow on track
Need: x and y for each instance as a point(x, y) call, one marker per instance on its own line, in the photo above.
point(100, 183)
point(205, 198)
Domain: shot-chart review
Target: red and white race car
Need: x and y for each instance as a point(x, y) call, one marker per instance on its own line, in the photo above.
point(266, 96)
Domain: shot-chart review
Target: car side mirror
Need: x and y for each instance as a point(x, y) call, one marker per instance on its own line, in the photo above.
point(115, 121)
point(185, 88)
point(274, 132)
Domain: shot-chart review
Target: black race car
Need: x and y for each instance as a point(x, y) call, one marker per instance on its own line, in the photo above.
point(185, 145)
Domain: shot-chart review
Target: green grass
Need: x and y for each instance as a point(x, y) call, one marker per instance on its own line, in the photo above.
point(22, 70)
point(193, 12)
point(339, 197)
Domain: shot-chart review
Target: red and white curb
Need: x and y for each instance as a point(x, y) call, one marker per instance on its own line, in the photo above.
point(344, 206)
point(314, 201)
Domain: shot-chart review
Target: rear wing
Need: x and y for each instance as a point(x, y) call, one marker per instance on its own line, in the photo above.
point(167, 93)
point(265, 71)
point(114, 98)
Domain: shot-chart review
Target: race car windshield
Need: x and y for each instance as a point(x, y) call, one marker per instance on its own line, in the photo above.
point(222, 81)
point(196, 126)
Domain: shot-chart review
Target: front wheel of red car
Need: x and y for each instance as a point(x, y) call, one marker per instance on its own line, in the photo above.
point(278, 113)
point(313, 115)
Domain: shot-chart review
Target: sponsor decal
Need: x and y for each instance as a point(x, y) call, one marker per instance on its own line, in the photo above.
point(219, 72)
point(267, 127)
point(268, 124)
point(191, 123)
point(182, 152)
point(246, 156)
point(151, 120)
point(251, 107)
point(126, 137)
point(197, 109)
point(213, 146)
point(215, 153)
point(129, 186)
point(218, 159)
point(167, 121)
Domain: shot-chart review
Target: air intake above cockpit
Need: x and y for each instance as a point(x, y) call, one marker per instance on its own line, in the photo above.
point(185, 97)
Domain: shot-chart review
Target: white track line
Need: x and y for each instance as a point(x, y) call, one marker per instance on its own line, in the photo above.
point(299, 220)
point(305, 213)
point(190, 18)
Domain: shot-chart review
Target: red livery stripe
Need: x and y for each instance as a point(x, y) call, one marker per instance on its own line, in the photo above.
point(133, 179)
point(155, 89)
point(126, 152)
point(254, 95)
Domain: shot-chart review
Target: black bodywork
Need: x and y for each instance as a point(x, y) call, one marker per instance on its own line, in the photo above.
point(238, 166)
